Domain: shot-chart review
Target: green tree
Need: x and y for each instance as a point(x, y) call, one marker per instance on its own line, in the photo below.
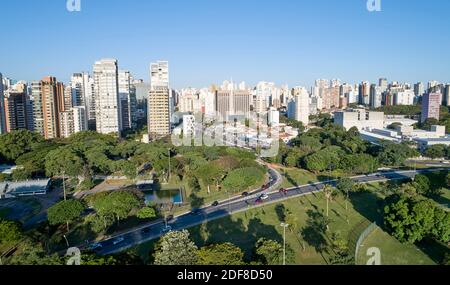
point(243, 178)
point(34, 255)
point(146, 213)
point(422, 184)
point(65, 212)
point(221, 254)
point(176, 248)
point(435, 151)
point(16, 143)
point(10, 232)
point(269, 252)
point(65, 161)
point(118, 204)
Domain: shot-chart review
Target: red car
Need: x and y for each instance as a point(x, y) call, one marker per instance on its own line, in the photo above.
point(283, 191)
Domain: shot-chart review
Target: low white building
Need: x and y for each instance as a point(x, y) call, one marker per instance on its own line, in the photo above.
point(359, 118)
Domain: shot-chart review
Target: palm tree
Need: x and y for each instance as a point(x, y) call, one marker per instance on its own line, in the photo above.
point(328, 190)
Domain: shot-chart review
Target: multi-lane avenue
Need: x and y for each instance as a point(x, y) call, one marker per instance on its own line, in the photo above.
point(238, 204)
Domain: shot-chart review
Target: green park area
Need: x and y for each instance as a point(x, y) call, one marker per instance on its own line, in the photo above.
point(312, 237)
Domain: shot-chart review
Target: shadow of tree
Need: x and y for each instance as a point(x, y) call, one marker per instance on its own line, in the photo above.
point(314, 233)
point(280, 209)
point(235, 232)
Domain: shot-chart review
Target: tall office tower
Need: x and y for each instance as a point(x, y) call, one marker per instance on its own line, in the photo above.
point(73, 121)
point(106, 92)
point(127, 95)
point(16, 108)
point(52, 104)
point(83, 95)
point(242, 86)
point(38, 114)
point(301, 98)
point(364, 93)
point(375, 96)
point(2, 108)
point(447, 95)
point(159, 101)
point(431, 104)
point(383, 84)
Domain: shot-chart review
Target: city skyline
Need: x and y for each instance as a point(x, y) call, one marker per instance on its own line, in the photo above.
point(312, 39)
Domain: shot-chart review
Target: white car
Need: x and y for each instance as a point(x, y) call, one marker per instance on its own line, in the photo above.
point(264, 197)
point(118, 240)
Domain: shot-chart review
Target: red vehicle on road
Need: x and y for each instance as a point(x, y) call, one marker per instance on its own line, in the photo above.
point(283, 191)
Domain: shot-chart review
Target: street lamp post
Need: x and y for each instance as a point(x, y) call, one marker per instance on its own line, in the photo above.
point(284, 225)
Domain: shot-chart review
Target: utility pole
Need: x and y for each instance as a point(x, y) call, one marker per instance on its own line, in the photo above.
point(64, 185)
point(169, 168)
point(284, 225)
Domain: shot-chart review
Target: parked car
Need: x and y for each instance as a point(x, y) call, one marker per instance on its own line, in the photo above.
point(118, 240)
point(215, 204)
point(245, 194)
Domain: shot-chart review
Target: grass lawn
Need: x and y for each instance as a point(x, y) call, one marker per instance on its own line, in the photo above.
point(295, 177)
point(244, 229)
point(392, 251)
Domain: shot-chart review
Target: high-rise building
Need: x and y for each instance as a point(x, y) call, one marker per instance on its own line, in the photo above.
point(52, 104)
point(2, 107)
point(73, 121)
point(301, 98)
point(375, 96)
point(231, 103)
point(447, 95)
point(83, 95)
point(16, 108)
point(38, 115)
point(383, 84)
point(106, 92)
point(405, 97)
point(431, 104)
point(159, 102)
point(127, 95)
point(419, 89)
point(364, 93)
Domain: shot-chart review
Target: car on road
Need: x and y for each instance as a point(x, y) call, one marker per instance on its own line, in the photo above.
point(118, 240)
point(245, 194)
point(215, 204)
point(266, 186)
point(166, 229)
point(258, 201)
point(283, 191)
point(263, 197)
point(169, 218)
point(96, 246)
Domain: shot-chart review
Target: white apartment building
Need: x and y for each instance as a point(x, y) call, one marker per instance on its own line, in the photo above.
point(73, 121)
point(188, 125)
point(83, 95)
point(405, 97)
point(273, 117)
point(301, 98)
point(106, 93)
point(159, 102)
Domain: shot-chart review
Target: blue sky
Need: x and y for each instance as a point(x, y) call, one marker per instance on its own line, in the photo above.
point(207, 41)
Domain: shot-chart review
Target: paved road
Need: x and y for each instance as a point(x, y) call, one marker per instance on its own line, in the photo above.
point(236, 205)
